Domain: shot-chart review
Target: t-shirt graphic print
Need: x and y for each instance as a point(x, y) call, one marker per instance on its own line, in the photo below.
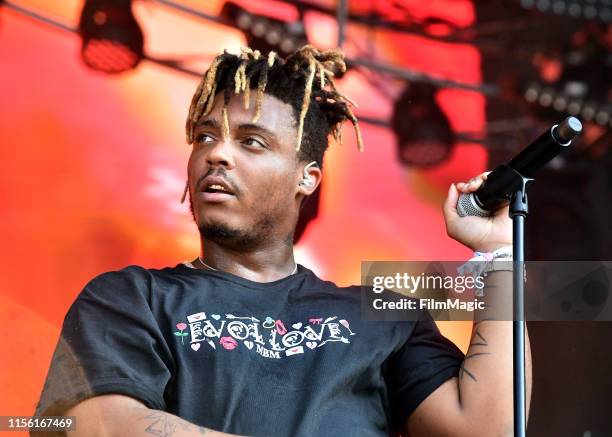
point(266, 337)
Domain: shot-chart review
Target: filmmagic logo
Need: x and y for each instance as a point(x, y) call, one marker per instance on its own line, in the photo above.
point(429, 304)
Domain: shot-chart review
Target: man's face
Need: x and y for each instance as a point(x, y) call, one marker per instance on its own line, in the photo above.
point(244, 187)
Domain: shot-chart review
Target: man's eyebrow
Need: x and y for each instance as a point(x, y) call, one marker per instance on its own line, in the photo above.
point(215, 125)
point(252, 126)
point(208, 122)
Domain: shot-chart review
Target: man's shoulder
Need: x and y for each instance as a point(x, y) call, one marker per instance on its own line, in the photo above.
point(131, 273)
point(121, 284)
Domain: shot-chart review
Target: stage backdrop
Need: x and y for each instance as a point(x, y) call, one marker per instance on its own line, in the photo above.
point(94, 167)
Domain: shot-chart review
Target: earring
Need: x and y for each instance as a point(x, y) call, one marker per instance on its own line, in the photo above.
point(307, 182)
point(306, 179)
point(185, 192)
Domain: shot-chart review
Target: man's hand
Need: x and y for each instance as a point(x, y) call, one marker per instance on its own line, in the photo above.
point(483, 234)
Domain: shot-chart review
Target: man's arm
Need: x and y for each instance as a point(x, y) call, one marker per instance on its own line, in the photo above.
point(479, 402)
point(116, 415)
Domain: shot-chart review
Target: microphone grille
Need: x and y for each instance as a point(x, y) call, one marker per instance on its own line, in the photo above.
point(466, 205)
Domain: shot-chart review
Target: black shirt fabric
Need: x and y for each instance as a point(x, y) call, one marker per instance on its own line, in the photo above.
point(291, 357)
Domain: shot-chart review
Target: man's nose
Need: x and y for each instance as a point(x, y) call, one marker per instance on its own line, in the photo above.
point(221, 154)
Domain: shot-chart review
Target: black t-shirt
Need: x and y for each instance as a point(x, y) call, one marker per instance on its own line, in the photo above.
point(291, 357)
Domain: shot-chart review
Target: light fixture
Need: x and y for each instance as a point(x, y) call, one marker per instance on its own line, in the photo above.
point(266, 33)
point(569, 100)
point(588, 9)
point(112, 41)
point(424, 135)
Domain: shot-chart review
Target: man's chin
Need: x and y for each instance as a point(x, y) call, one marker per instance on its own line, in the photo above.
point(225, 235)
point(219, 231)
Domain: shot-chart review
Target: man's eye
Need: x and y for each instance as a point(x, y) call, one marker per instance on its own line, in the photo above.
point(253, 142)
point(204, 138)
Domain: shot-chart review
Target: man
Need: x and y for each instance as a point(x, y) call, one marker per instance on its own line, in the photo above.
point(242, 340)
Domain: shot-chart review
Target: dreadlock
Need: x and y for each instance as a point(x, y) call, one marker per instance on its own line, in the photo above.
point(305, 80)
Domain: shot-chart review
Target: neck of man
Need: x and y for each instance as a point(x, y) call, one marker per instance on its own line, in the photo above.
point(265, 263)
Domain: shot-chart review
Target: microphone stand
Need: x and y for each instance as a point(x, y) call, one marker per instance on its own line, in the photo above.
point(507, 183)
point(518, 214)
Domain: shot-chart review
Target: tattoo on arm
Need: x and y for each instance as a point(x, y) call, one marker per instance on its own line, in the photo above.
point(477, 340)
point(161, 424)
point(480, 341)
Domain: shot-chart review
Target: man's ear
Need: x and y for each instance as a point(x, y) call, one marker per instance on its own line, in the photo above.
point(311, 177)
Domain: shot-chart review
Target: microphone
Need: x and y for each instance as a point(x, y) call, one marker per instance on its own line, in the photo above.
point(506, 179)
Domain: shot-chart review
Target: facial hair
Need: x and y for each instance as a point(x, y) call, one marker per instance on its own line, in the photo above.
point(225, 235)
point(239, 239)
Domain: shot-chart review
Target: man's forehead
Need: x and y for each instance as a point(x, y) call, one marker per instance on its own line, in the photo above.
point(275, 115)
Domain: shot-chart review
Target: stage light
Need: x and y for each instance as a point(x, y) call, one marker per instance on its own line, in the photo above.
point(266, 33)
point(570, 99)
point(589, 9)
point(424, 135)
point(112, 41)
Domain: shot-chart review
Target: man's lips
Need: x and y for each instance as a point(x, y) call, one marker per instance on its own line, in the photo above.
point(215, 197)
point(215, 189)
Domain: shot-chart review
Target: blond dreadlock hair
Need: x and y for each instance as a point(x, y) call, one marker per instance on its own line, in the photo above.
point(310, 69)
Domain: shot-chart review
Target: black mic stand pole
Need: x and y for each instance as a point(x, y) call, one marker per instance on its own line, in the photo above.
point(518, 214)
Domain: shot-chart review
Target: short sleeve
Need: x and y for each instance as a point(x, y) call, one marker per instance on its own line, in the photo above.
point(423, 363)
point(110, 343)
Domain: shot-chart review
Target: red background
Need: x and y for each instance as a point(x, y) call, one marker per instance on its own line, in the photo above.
point(94, 167)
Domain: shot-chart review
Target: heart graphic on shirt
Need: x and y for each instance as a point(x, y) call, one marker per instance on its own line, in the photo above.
point(297, 325)
point(216, 316)
point(311, 344)
point(195, 346)
point(248, 344)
